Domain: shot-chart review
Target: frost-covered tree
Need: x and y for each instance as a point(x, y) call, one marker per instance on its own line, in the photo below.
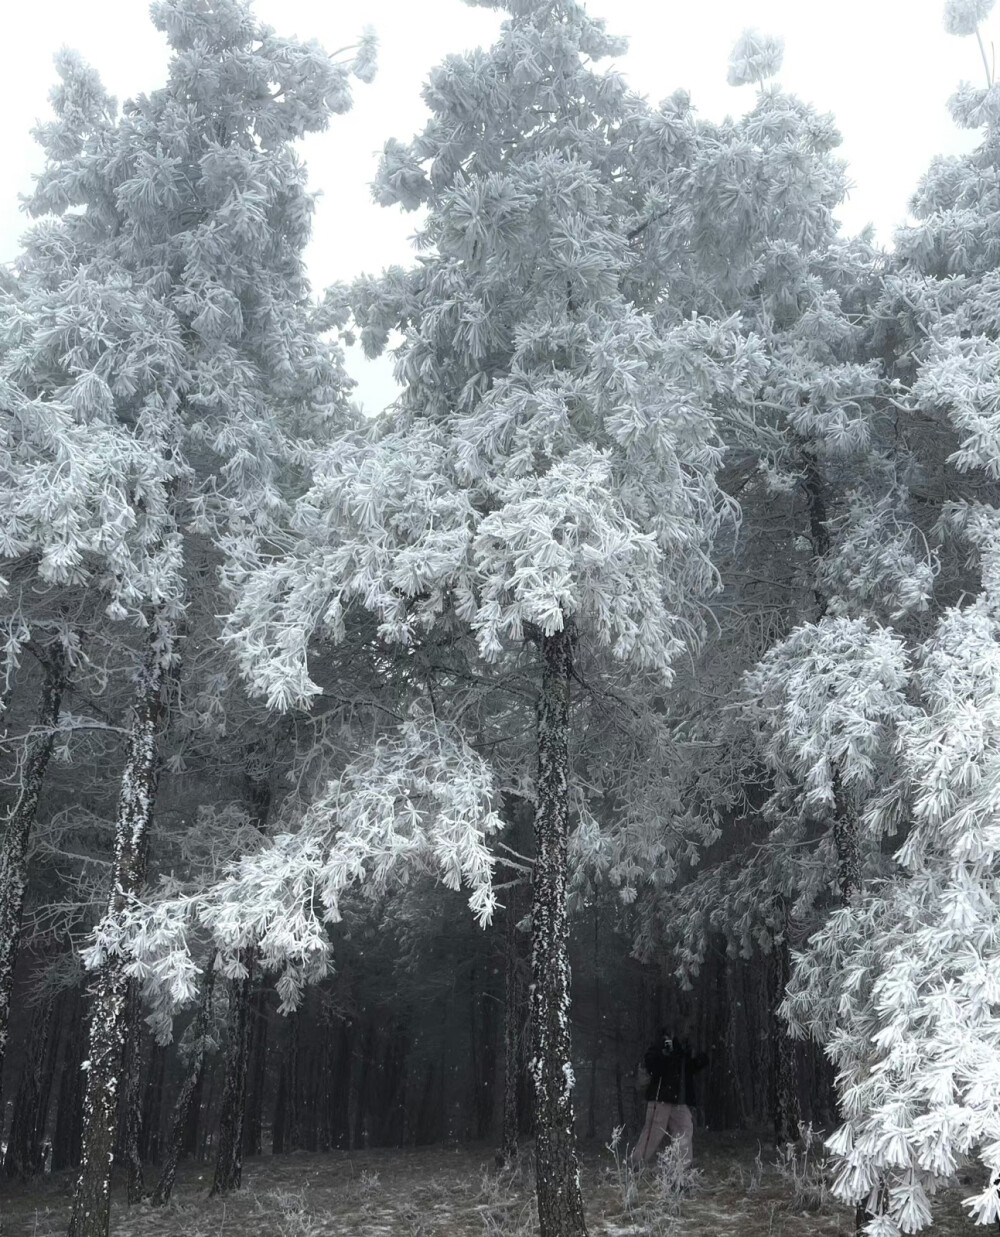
point(548, 479)
point(31, 762)
point(161, 361)
point(898, 986)
point(739, 217)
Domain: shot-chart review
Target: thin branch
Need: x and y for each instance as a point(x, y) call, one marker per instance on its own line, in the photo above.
point(986, 63)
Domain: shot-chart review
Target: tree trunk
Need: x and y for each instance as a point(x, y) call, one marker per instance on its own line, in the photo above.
point(361, 1116)
point(17, 827)
point(847, 840)
point(152, 1105)
point(784, 1094)
point(130, 1114)
point(66, 1136)
point(619, 1080)
point(511, 1037)
point(340, 1090)
point(254, 1122)
point(52, 1038)
point(24, 1158)
point(109, 1018)
point(560, 1203)
point(190, 1140)
point(229, 1161)
point(180, 1119)
point(597, 1043)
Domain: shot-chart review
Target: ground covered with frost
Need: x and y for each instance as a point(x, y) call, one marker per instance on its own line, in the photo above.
point(742, 1188)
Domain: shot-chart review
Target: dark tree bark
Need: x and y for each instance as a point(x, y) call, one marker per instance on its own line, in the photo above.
point(784, 1083)
point(253, 1125)
point(310, 1098)
point(596, 1047)
point(130, 1115)
point(152, 1105)
point(340, 1090)
point(324, 1087)
point(285, 1129)
point(15, 831)
point(512, 1020)
point(388, 1111)
point(560, 1203)
point(362, 1117)
point(69, 1100)
point(109, 1026)
point(229, 1161)
point(48, 1077)
point(24, 1156)
point(190, 1136)
point(619, 1073)
point(429, 1125)
point(847, 840)
point(190, 1091)
point(483, 1053)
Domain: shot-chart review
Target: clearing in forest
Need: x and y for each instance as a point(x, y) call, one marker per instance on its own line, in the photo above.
point(740, 1189)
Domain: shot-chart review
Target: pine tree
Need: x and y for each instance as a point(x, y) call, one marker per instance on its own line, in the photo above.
point(898, 987)
point(162, 362)
point(549, 476)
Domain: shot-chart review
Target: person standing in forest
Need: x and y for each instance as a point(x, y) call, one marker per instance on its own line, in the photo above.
point(670, 1066)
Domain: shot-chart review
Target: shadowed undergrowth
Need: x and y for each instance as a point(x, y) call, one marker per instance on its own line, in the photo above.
point(741, 1187)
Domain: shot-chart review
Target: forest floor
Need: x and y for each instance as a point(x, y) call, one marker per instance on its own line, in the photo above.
point(741, 1187)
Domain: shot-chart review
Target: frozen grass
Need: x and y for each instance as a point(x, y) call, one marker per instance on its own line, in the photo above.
point(741, 1189)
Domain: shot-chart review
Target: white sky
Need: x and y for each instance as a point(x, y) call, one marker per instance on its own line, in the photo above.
point(885, 68)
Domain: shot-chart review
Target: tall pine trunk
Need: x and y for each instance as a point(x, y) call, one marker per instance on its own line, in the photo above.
point(24, 1157)
point(152, 1105)
point(17, 827)
point(189, 1092)
point(66, 1132)
point(560, 1203)
point(512, 1019)
point(784, 1081)
point(253, 1122)
point(130, 1113)
point(109, 1024)
point(229, 1161)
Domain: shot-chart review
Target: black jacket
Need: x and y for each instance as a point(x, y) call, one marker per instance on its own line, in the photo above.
point(671, 1070)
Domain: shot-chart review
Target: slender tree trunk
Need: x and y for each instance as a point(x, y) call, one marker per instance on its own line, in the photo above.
point(596, 1046)
point(340, 1090)
point(190, 1137)
point(512, 1018)
point(16, 829)
point(362, 1120)
point(190, 1090)
point(784, 1093)
point(152, 1105)
point(48, 1076)
point(23, 1158)
point(130, 1114)
point(619, 1080)
point(66, 1136)
point(293, 1111)
point(560, 1203)
point(254, 1122)
point(109, 1018)
point(229, 1161)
